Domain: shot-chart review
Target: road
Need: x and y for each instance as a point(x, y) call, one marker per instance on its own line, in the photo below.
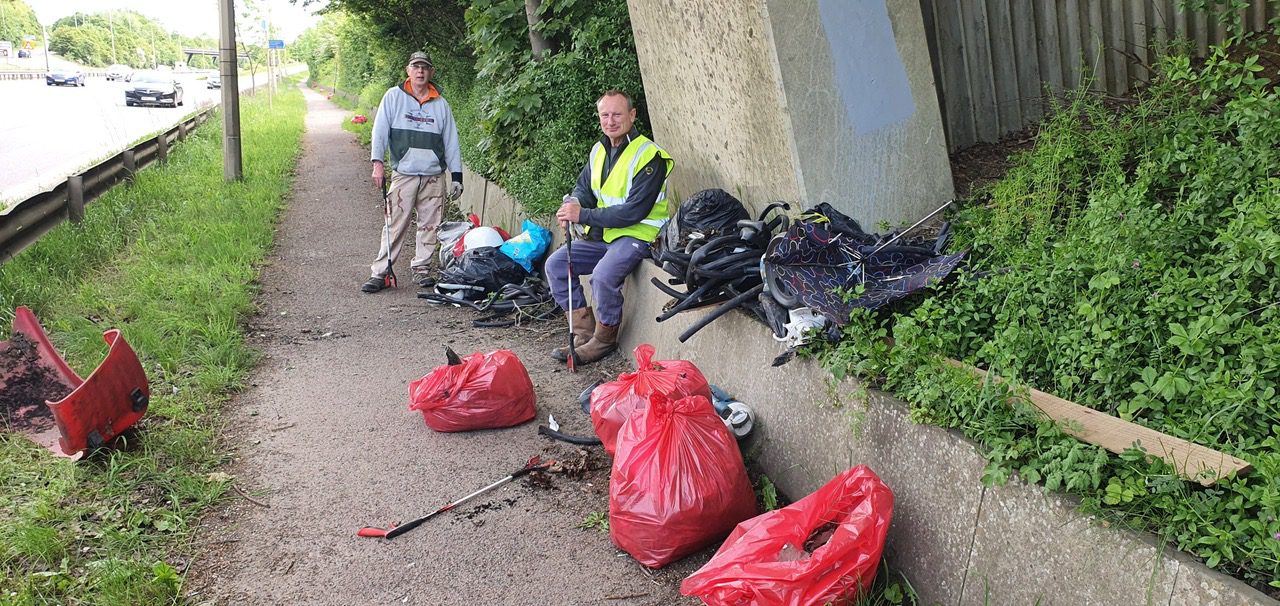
point(48, 133)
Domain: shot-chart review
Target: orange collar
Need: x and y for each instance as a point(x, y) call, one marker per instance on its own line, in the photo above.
point(432, 93)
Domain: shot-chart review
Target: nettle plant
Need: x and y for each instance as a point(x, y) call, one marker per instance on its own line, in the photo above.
point(1128, 262)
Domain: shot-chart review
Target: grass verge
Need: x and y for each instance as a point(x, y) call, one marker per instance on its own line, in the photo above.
point(171, 260)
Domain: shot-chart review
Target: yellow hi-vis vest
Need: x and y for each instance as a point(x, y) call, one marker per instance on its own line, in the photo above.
point(613, 191)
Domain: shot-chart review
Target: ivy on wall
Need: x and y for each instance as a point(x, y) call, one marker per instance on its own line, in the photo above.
point(526, 122)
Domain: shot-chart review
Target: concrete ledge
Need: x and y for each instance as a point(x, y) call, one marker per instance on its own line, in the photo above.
point(958, 541)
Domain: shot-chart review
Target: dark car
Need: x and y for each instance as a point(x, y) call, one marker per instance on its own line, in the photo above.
point(153, 88)
point(214, 81)
point(24, 53)
point(68, 76)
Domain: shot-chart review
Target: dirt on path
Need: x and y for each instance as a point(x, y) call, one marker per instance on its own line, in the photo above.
point(324, 442)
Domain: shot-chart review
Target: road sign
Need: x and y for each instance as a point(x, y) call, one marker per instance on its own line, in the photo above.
point(275, 43)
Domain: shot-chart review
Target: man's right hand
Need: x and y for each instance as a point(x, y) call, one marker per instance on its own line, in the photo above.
point(569, 212)
point(379, 173)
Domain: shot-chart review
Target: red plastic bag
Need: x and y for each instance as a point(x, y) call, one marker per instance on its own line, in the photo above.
point(822, 549)
point(678, 483)
point(612, 403)
point(483, 392)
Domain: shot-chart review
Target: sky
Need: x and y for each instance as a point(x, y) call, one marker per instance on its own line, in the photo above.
point(187, 17)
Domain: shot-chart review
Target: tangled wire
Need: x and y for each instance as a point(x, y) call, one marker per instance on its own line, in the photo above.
point(511, 305)
point(713, 249)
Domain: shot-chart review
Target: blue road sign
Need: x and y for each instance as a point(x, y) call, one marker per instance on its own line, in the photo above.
point(275, 43)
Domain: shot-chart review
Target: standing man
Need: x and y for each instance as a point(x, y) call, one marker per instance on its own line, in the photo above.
point(620, 199)
point(416, 125)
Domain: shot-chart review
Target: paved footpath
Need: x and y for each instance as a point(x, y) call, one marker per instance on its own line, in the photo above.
point(324, 441)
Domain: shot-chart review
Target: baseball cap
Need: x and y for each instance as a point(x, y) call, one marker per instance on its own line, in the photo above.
point(420, 57)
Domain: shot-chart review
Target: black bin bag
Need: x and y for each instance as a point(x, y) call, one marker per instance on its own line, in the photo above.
point(479, 272)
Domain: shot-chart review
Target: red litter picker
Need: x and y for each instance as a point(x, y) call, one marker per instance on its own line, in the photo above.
point(392, 531)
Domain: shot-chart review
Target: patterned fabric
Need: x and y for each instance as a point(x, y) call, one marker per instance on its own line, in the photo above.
point(823, 258)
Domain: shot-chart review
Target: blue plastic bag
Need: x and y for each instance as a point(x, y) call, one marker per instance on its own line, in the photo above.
point(527, 246)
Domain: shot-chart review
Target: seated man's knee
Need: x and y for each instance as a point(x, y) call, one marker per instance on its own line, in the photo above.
point(555, 265)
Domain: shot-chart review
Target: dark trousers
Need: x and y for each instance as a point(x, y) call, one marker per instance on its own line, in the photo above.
point(607, 264)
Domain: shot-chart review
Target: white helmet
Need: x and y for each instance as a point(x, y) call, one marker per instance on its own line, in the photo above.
point(481, 236)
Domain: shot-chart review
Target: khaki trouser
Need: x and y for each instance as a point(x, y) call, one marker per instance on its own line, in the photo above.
point(425, 196)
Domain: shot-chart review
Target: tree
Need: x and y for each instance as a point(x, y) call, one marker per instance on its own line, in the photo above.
point(17, 20)
point(113, 37)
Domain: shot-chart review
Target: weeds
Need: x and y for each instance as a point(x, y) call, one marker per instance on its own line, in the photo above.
point(596, 520)
point(170, 260)
point(767, 494)
point(1130, 262)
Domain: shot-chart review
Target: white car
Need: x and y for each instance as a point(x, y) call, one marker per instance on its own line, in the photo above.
point(119, 72)
point(214, 81)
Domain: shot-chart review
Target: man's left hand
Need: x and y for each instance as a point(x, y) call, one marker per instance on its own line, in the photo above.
point(455, 191)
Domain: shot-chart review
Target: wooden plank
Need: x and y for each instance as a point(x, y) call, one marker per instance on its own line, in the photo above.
point(1199, 26)
point(957, 102)
point(1138, 45)
point(1048, 47)
point(981, 78)
point(1094, 31)
point(1004, 66)
point(1030, 87)
point(1180, 22)
point(1114, 47)
point(1192, 461)
point(1161, 20)
point(1072, 48)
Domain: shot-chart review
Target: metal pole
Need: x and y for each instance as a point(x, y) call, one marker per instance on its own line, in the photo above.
point(45, 31)
point(111, 18)
point(232, 169)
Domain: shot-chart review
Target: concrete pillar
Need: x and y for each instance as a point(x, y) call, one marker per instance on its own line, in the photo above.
point(805, 101)
point(162, 147)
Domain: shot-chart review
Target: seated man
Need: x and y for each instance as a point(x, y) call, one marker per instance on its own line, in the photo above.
point(620, 199)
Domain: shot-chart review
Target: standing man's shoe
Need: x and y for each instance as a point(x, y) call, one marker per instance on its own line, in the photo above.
point(374, 284)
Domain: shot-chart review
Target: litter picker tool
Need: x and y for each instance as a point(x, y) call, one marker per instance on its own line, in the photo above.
point(389, 279)
point(391, 531)
point(568, 261)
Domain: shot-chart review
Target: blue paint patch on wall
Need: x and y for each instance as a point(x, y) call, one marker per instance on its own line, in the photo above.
point(868, 69)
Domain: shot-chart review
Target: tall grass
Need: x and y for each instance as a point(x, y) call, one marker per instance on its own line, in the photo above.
point(171, 260)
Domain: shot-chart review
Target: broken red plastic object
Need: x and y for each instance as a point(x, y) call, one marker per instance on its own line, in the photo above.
point(94, 410)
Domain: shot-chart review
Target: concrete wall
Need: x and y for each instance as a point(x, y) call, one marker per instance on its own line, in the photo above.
point(711, 85)
point(818, 101)
point(959, 542)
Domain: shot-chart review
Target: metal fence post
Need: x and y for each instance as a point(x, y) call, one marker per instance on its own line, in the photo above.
point(130, 163)
point(75, 198)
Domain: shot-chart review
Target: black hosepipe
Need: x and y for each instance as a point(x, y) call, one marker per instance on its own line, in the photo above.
point(720, 311)
point(688, 301)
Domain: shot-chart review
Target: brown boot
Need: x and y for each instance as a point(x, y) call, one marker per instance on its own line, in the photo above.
point(602, 343)
point(584, 322)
